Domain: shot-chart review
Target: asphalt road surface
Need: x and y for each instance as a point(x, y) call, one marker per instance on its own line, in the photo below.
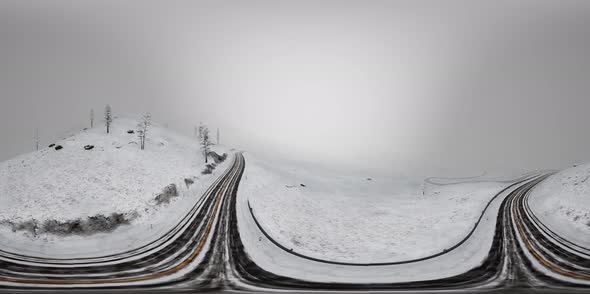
point(204, 252)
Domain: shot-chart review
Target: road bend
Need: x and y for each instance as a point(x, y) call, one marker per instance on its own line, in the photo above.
point(205, 252)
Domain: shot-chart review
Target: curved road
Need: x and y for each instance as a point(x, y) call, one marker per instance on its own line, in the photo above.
point(205, 251)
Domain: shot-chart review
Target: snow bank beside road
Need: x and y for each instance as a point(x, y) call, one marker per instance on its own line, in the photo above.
point(562, 203)
point(354, 219)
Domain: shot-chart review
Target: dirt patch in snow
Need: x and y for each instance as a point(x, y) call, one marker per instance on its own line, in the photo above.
point(89, 226)
point(169, 192)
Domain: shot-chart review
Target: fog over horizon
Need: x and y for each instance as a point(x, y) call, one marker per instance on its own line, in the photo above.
point(381, 85)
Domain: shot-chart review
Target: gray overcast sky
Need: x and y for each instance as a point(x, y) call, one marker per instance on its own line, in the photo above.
point(383, 84)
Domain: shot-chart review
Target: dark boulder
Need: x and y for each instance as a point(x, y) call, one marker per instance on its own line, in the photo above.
point(209, 168)
point(130, 132)
point(59, 147)
point(88, 147)
point(51, 145)
point(216, 157)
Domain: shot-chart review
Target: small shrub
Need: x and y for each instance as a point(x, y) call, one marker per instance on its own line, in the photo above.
point(188, 182)
point(209, 168)
point(216, 157)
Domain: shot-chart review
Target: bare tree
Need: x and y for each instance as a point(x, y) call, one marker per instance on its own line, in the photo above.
point(217, 141)
point(205, 141)
point(108, 117)
point(142, 128)
point(92, 118)
point(200, 131)
point(37, 139)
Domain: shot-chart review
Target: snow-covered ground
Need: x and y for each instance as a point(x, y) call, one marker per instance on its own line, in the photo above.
point(356, 219)
point(114, 177)
point(562, 203)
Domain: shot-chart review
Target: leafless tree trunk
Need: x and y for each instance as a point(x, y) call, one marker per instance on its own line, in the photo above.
point(92, 118)
point(37, 139)
point(200, 131)
point(142, 129)
point(108, 117)
point(205, 141)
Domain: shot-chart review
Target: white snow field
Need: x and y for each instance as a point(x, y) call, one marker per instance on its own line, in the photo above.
point(114, 177)
point(562, 203)
point(324, 215)
point(349, 218)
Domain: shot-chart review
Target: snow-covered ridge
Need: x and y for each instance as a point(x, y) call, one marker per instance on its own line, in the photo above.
point(562, 203)
point(115, 176)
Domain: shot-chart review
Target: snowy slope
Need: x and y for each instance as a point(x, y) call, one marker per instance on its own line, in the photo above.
point(562, 203)
point(353, 219)
point(114, 177)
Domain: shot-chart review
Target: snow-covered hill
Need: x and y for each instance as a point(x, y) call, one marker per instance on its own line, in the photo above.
point(562, 202)
point(147, 189)
point(358, 219)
